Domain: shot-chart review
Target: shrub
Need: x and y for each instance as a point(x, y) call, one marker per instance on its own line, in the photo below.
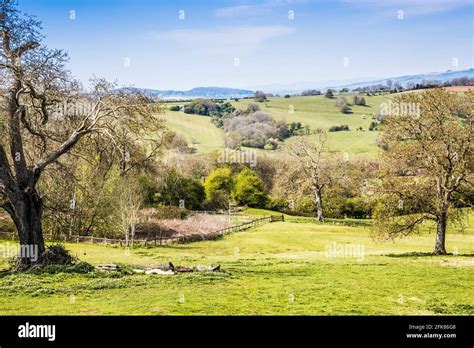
point(218, 187)
point(339, 128)
point(79, 267)
point(310, 92)
point(175, 187)
point(150, 189)
point(359, 100)
point(253, 130)
point(56, 254)
point(373, 126)
point(175, 108)
point(341, 100)
point(329, 94)
point(357, 208)
point(345, 109)
point(260, 96)
point(249, 189)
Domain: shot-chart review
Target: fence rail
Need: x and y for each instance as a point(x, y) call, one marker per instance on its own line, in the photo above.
point(155, 241)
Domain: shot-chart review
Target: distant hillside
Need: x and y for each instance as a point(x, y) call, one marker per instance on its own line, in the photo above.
point(298, 87)
point(198, 92)
point(225, 93)
point(404, 80)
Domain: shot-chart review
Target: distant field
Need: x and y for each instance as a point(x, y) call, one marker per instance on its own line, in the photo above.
point(280, 268)
point(316, 111)
point(196, 128)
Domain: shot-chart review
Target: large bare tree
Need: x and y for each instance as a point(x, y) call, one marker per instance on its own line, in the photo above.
point(316, 164)
point(44, 115)
point(428, 167)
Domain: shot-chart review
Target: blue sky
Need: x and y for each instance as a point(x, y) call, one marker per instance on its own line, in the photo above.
point(239, 43)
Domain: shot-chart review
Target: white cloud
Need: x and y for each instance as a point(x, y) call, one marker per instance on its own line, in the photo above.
point(224, 39)
point(242, 10)
point(254, 9)
point(413, 7)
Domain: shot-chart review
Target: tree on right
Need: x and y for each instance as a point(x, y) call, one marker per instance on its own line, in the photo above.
point(427, 169)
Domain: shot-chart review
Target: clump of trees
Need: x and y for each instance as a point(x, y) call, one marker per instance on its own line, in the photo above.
point(257, 129)
point(310, 92)
point(260, 96)
point(253, 130)
point(329, 94)
point(343, 127)
point(358, 100)
point(249, 189)
point(343, 105)
point(224, 186)
point(207, 107)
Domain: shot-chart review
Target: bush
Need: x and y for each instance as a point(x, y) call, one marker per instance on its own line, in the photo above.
point(339, 128)
point(329, 94)
point(341, 100)
point(253, 130)
point(260, 96)
point(175, 187)
point(218, 187)
point(175, 108)
point(359, 100)
point(277, 204)
point(80, 267)
point(56, 254)
point(310, 92)
point(356, 208)
point(150, 189)
point(373, 126)
point(345, 109)
point(249, 189)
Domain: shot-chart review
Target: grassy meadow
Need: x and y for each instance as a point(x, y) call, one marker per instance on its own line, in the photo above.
point(315, 111)
point(281, 268)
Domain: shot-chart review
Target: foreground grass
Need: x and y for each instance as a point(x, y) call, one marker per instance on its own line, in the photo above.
point(279, 268)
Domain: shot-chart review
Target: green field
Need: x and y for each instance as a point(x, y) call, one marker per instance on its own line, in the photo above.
point(280, 268)
point(315, 111)
point(196, 128)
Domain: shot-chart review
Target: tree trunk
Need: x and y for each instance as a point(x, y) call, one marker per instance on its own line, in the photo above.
point(26, 213)
point(440, 248)
point(319, 205)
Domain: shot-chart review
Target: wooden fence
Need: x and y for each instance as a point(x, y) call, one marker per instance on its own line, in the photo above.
point(156, 240)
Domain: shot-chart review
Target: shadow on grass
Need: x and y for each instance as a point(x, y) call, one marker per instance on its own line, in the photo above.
point(425, 254)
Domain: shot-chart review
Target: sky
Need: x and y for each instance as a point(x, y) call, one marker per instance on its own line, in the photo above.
point(246, 44)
